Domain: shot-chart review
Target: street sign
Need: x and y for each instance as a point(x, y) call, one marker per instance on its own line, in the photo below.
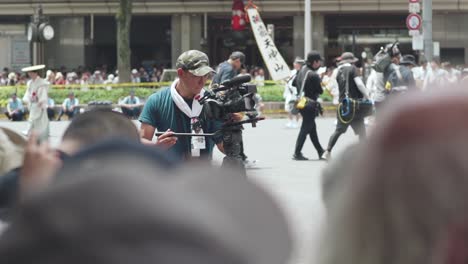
point(414, 1)
point(414, 22)
point(414, 32)
point(418, 42)
point(415, 8)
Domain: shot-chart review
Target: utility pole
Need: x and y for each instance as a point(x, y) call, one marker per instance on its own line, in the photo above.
point(427, 30)
point(307, 28)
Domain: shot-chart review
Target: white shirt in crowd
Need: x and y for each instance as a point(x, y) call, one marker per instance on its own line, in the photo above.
point(332, 86)
point(375, 84)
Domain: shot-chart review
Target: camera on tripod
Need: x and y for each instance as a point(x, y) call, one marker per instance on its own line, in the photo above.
point(232, 96)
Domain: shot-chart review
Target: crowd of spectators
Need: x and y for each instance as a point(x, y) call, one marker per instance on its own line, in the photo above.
point(129, 105)
point(84, 76)
point(15, 110)
point(102, 75)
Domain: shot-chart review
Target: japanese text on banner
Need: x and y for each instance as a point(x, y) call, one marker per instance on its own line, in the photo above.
point(275, 63)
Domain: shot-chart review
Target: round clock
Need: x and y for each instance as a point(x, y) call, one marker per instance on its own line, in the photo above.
point(46, 32)
point(32, 33)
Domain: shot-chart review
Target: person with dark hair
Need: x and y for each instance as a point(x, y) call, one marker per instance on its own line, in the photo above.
point(402, 78)
point(15, 109)
point(308, 84)
point(96, 125)
point(41, 161)
point(131, 106)
point(117, 207)
point(350, 85)
point(70, 107)
point(230, 68)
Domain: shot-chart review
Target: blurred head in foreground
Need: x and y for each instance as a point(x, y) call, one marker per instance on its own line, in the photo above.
point(120, 208)
point(406, 198)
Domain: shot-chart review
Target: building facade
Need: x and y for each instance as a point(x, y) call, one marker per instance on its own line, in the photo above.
point(162, 29)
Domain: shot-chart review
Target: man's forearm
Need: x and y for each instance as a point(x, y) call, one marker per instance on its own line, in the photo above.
point(147, 142)
point(221, 147)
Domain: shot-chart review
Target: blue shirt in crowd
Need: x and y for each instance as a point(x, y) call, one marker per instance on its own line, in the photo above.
point(130, 100)
point(225, 72)
point(15, 104)
point(68, 103)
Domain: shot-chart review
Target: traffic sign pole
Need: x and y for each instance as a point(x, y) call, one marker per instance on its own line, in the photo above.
point(427, 30)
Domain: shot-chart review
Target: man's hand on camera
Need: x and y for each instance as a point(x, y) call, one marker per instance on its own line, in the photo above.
point(166, 140)
point(237, 117)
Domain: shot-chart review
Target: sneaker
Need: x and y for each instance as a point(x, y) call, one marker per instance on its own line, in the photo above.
point(320, 155)
point(326, 155)
point(299, 157)
point(250, 164)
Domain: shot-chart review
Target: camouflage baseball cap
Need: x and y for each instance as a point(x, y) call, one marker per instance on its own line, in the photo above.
point(196, 62)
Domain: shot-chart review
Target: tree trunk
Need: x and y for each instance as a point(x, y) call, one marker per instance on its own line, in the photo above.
point(124, 19)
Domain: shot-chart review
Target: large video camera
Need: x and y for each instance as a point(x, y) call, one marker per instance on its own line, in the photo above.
point(220, 103)
point(232, 96)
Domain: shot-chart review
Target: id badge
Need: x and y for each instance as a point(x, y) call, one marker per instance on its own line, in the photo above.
point(198, 142)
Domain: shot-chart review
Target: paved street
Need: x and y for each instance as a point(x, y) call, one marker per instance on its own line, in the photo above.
point(295, 184)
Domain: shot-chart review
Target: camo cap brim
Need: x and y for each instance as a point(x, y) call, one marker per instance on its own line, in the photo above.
point(196, 62)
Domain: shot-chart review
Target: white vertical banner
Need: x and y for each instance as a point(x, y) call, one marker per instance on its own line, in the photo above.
point(278, 68)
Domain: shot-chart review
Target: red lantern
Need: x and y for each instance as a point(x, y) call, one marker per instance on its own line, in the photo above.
point(238, 16)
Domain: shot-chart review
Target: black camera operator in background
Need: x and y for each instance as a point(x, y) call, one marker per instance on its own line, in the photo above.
point(226, 71)
point(308, 82)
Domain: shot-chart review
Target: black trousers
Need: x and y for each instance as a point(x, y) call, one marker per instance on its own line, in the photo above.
point(309, 128)
point(51, 113)
point(18, 116)
point(357, 125)
point(69, 113)
point(131, 112)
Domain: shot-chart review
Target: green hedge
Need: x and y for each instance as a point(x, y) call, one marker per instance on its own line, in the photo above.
point(84, 97)
point(269, 93)
point(274, 93)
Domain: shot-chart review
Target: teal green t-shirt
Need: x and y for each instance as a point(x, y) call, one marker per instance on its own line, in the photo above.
point(161, 112)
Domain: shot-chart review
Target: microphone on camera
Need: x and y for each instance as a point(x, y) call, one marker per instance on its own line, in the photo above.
point(236, 81)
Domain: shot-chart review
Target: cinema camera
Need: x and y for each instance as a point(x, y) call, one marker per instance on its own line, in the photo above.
point(221, 102)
